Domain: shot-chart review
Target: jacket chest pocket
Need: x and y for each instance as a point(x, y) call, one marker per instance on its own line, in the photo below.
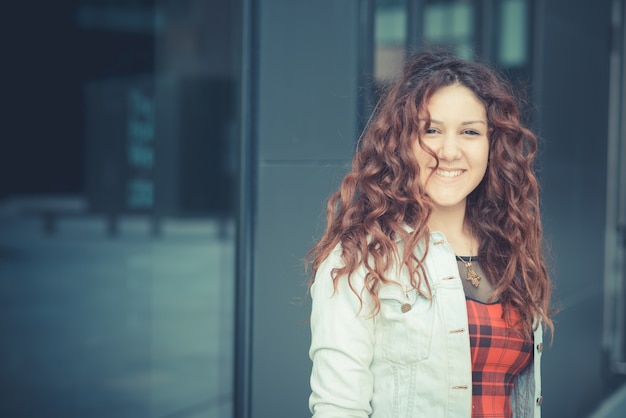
point(405, 325)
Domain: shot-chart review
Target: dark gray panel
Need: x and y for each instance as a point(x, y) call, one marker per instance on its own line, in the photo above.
point(307, 113)
point(308, 73)
point(573, 112)
point(290, 217)
point(573, 107)
point(575, 356)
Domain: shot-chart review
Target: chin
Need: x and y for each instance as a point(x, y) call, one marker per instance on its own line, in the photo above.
point(444, 203)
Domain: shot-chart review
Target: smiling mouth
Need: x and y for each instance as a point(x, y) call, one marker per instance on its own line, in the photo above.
point(448, 173)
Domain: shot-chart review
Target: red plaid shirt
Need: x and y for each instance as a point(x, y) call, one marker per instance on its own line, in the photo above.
point(498, 356)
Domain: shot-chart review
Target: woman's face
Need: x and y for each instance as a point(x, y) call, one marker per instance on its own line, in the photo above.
point(458, 135)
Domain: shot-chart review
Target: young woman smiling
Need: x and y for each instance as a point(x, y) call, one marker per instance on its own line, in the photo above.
point(429, 287)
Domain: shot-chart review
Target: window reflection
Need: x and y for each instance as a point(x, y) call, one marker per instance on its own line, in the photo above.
point(445, 24)
point(496, 32)
point(117, 296)
point(450, 24)
point(513, 47)
point(390, 36)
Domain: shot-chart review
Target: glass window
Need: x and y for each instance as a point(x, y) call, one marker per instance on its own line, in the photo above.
point(496, 32)
point(117, 287)
point(513, 47)
point(614, 332)
point(450, 24)
point(390, 36)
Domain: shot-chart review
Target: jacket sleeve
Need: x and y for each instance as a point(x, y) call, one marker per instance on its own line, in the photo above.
point(526, 398)
point(342, 346)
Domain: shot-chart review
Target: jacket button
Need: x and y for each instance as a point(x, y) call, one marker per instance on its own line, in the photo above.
point(540, 400)
point(405, 307)
point(540, 347)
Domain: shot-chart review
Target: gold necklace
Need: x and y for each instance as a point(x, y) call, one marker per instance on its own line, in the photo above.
point(472, 276)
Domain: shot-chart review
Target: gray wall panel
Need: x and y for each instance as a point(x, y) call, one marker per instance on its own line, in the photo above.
point(573, 108)
point(307, 119)
point(307, 106)
point(291, 199)
point(572, 365)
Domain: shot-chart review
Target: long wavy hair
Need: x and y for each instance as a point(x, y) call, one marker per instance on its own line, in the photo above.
point(382, 193)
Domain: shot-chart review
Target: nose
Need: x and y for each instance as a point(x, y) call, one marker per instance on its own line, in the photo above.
point(449, 149)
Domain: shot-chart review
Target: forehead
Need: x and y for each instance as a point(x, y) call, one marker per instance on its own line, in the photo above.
point(455, 99)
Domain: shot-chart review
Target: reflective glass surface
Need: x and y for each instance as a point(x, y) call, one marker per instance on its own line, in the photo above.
point(450, 24)
point(117, 245)
point(390, 36)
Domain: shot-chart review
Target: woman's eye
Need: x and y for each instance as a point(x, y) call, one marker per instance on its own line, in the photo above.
point(471, 132)
point(430, 131)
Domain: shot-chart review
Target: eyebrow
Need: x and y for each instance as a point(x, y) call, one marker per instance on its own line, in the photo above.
point(469, 122)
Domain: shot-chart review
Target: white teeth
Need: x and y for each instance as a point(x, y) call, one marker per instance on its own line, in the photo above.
point(448, 173)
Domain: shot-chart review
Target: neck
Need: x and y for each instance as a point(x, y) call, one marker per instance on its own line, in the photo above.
point(451, 222)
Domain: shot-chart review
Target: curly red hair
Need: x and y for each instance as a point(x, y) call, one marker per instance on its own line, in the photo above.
point(382, 192)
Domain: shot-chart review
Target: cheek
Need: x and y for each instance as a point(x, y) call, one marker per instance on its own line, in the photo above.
point(481, 155)
point(484, 166)
point(487, 157)
point(423, 158)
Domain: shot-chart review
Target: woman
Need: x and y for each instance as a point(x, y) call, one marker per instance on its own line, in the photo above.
point(430, 288)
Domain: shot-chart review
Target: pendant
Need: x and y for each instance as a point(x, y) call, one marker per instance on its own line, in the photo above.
point(472, 276)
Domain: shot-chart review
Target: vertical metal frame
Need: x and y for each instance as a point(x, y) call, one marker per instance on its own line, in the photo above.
point(365, 58)
point(246, 205)
point(536, 42)
point(614, 331)
point(484, 20)
point(415, 37)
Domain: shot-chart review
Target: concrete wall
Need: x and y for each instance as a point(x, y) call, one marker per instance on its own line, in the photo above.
point(572, 99)
point(307, 117)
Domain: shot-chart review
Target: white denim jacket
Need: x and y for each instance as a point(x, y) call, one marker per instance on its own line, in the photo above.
point(400, 364)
